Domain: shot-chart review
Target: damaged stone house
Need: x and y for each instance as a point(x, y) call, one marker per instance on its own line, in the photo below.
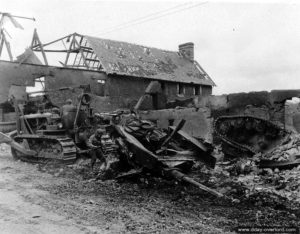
point(118, 72)
point(127, 69)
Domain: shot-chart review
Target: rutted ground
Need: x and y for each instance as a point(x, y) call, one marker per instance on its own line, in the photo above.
point(55, 199)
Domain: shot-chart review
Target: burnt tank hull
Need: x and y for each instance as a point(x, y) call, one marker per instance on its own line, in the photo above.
point(248, 135)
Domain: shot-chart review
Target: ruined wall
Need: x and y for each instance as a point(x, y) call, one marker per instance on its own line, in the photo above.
point(126, 86)
point(235, 104)
point(188, 90)
point(71, 78)
point(171, 90)
point(7, 117)
point(119, 92)
point(292, 115)
point(277, 96)
point(124, 92)
point(135, 87)
point(206, 90)
point(267, 105)
point(296, 121)
point(13, 73)
point(279, 99)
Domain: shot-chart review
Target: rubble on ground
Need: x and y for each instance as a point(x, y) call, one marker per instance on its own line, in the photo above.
point(261, 162)
point(244, 180)
point(287, 151)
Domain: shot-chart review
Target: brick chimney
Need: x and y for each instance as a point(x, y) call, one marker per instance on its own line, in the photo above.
point(187, 50)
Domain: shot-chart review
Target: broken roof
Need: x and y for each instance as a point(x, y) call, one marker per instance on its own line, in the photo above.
point(128, 59)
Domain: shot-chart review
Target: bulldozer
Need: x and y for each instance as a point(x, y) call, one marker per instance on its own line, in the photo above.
point(45, 134)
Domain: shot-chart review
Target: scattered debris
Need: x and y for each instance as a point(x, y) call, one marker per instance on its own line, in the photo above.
point(133, 147)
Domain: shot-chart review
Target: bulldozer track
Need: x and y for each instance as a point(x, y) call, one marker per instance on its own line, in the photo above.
point(54, 148)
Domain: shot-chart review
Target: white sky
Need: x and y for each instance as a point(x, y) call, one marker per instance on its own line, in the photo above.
point(243, 46)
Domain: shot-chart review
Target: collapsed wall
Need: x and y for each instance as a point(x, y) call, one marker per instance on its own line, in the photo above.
point(267, 105)
point(199, 120)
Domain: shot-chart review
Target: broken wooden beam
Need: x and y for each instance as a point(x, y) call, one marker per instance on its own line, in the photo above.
point(174, 131)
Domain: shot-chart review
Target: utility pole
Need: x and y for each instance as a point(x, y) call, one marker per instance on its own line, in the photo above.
point(3, 39)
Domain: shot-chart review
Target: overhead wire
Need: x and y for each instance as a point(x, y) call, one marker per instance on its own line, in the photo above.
point(149, 18)
point(146, 16)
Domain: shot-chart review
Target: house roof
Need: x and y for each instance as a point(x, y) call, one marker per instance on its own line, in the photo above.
point(128, 59)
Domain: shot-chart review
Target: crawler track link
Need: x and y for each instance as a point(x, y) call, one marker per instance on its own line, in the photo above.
point(57, 149)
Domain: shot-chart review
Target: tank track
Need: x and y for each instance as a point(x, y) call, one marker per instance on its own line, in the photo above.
point(225, 125)
point(49, 148)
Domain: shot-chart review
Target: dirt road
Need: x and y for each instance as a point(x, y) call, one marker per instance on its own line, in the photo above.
point(35, 199)
point(20, 211)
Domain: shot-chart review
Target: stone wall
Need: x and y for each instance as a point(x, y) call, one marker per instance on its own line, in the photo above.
point(292, 115)
point(267, 105)
point(126, 91)
point(13, 74)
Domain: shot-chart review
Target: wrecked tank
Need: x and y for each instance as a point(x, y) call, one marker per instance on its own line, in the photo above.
point(248, 135)
point(167, 153)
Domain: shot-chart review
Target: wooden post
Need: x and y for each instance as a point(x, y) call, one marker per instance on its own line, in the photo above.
point(1, 115)
point(1, 43)
point(70, 48)
point(7, 44)
point(82, 55)
point(3, 40)
point(36, 42)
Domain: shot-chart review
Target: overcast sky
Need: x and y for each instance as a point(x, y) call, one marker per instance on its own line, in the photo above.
point(242, 46)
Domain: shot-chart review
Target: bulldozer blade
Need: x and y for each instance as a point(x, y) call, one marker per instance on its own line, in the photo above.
point(18, 147)
point(5, 138)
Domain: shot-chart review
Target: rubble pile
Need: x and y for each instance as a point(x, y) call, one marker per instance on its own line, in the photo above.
point(287, 151)
point(267, 183)
point(261, 164)
point(243, 179)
